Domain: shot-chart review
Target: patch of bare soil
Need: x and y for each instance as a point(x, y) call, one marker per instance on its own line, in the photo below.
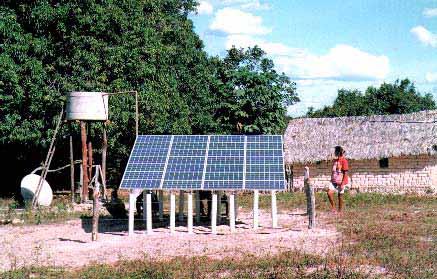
point(69, 244)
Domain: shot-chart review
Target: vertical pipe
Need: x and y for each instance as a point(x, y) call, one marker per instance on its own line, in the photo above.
point(255, 209)
point(96, 208)
point(197, 200)
point(71, 168)
point(85, 178)
point(274, 211)
point(144, 207)
point(132, 200)
point(181, 206)
point(214, 214)
point(149, 213)
point(104, 151)
point(232, 211)
point(161, 205)
point(190, 212)
point(172, 212)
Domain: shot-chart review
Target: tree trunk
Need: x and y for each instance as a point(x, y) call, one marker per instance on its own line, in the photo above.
point(85, 178)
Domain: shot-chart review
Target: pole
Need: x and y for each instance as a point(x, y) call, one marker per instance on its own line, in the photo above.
point(255, 209)
point(96, 206)
point(190, 212)
point(71, 168)
point(232, 211)
point(85, 178)
point(274, 211)
point(311, 201)
point(149, 213)
point(197, 201)
point(161, 205)
point(132, 200)
point(214, 213)
point(172, 212)
point(104, 151)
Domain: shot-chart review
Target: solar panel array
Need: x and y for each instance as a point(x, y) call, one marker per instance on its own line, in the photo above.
point(216, 162)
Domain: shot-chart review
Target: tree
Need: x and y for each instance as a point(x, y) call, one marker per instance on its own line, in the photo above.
point(48, 48)
point(253, 96)
point(397, 98)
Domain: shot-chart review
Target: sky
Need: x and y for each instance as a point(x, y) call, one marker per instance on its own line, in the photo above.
point(326, 45)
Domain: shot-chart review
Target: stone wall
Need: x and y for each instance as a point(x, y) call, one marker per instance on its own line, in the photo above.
point(404, 174)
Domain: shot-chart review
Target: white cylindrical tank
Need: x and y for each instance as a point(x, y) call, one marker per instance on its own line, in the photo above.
point(87, 106)
point(29, 183)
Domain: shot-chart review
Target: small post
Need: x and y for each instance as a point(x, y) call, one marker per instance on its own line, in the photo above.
point(144, 207)
point(311, 201)
point(172, 212)
point(274, 211)
point(190, 212)
point(255, 209)
point(197, 197)
point(96, 207)
point(214, 213)
point(132, 200)
point(232, 211)
point(181, 206)
point(149, 212)
point(161, 205)
point(71, 168)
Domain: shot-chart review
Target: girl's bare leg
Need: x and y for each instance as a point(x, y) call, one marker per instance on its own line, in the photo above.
point(331, 199)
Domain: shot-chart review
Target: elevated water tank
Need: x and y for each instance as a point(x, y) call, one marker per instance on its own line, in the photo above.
point(28, 187)
point(87, 106)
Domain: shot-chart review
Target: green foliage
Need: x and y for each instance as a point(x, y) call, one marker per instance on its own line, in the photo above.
point(397, 98)
point(253, 96)
point(48, 48)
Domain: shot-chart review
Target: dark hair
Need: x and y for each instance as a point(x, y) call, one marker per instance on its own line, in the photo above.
point(339, 150)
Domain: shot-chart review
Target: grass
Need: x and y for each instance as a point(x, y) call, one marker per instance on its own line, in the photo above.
point(396, 233)
point(60, 211)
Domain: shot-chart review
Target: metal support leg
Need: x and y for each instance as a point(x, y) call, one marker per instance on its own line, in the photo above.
point(232, 212)
point(172, 212)
point(255, 209)
point(190, 212)
point(219, 207)
point(149, 213)
point(274, 211)
point(144, 207)
point(214, 214)
point(132, 200)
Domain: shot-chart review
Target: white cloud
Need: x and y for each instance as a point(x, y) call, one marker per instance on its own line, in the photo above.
point(205, 8)
point(431, 77)
point(234, 21)
point(425, 36)
point(430, 12)
point(343, 62)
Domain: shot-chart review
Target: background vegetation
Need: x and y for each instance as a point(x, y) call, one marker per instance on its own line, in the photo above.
point(48, 48)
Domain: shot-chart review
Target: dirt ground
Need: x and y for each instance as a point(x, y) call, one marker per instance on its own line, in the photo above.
point(69, 244)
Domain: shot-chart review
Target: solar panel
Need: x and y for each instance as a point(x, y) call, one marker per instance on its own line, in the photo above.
point(186, 163)
point(206, 162)
point(264, 163)
point(225, 163)
point(146, 164)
